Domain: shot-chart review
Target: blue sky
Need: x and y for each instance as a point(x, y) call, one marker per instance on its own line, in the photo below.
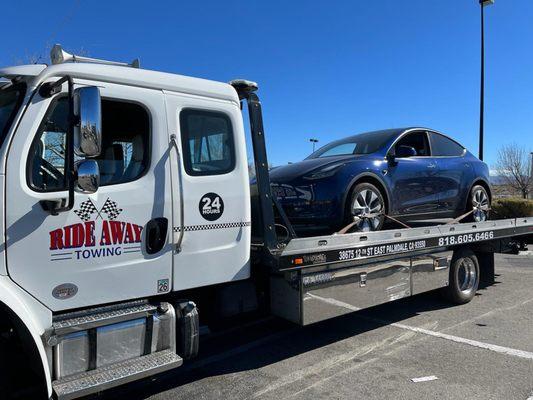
point(325, 69)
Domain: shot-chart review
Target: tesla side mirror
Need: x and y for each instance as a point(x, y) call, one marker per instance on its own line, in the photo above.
point(88, 126)
point(88, 176)
point(405, 152)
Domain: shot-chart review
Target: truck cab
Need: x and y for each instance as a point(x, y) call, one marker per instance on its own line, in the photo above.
point(119, 184)
point(98, 247)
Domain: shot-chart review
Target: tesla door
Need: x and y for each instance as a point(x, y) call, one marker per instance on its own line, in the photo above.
point(414, 179)
point(455, 172)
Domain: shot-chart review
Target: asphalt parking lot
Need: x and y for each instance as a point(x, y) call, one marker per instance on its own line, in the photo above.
point(481, 350)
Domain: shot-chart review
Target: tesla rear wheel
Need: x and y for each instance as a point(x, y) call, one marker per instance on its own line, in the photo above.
point(479, 203)
point(368, 205)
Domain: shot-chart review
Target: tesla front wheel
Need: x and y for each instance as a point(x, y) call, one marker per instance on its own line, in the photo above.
point(479, 203)
point(368, 206)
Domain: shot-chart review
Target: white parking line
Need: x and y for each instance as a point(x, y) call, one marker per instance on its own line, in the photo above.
point(492, 347)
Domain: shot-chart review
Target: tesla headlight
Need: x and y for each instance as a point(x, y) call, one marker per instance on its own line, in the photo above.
point(324, 172)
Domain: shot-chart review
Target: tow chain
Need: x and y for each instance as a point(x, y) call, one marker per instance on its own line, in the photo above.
point(356, 220)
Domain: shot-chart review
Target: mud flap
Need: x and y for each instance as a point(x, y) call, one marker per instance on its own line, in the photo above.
point(188, 330)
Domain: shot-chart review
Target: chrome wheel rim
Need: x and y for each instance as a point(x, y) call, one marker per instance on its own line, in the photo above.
point(466, 274)
point(480, 205)
point(365, 205)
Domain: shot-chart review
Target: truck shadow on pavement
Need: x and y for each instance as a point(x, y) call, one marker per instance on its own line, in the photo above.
point(269, 342)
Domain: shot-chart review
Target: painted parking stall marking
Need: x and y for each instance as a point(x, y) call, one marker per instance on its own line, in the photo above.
point(457, 339)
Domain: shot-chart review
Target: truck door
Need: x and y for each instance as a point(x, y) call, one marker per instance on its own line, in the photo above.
point(96, 253)
point(212, 171)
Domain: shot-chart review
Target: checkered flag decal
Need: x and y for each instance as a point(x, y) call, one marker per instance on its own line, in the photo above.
point(110, 208)
point(86, 210)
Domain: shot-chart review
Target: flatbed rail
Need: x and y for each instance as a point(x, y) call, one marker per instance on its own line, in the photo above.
point(336, 249)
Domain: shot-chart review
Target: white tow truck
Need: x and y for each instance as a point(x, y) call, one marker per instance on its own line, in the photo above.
point(127, 208)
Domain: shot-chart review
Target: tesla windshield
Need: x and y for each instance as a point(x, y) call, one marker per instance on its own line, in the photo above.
point(10, 99)
point(365, 143)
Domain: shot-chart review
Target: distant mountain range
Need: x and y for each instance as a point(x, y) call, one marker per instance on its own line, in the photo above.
point(497, 180)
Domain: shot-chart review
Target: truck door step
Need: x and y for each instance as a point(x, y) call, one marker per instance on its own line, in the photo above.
point(78, 321)
point(116, 374)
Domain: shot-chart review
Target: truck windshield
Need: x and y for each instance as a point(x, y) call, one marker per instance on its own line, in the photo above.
point(11, 97)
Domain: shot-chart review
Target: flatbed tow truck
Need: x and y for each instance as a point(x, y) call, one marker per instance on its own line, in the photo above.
point(118, 244)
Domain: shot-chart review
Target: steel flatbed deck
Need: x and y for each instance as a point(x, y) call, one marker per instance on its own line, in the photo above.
point(321, 277)
point(369, 246)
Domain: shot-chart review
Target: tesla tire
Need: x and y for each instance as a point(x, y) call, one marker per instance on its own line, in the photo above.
point(479, 204)
point(367, 204)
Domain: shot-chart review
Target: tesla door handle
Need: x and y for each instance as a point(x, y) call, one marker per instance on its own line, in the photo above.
point(156, 234)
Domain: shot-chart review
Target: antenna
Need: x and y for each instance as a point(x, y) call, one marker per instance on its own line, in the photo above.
point(59, 56)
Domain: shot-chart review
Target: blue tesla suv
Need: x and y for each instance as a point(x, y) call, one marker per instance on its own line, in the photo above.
point(409, 174)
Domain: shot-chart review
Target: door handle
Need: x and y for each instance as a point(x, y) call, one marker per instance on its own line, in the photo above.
point(156, 234)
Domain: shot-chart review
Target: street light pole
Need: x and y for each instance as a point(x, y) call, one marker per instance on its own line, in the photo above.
point(531, 175)
point(482, 3)
point(314, 141)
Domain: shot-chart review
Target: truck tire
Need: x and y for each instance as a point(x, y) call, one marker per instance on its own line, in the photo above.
point(6, 377)
point(464, 277)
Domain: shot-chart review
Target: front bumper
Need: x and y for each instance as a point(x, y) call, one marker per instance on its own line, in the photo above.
point(310, 205)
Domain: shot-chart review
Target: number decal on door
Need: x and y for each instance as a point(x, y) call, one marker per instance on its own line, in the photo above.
point(211, 206)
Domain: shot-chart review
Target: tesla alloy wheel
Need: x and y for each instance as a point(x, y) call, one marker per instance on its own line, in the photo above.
point(479, 203)
point(368, 205)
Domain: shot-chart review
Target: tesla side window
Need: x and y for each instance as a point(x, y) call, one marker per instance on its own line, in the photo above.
point(416, 140)
point(442, 146)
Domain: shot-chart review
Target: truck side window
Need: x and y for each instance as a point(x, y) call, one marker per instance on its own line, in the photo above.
point(207, 141)
point(125, 148)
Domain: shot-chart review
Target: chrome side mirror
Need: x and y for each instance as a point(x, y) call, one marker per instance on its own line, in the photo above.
point(88, 176)
point(88, 126)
